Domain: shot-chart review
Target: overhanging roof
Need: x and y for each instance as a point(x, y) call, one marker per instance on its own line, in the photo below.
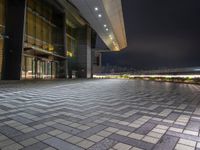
point(106, 18)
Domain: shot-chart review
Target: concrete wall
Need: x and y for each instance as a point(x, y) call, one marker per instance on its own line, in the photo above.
point(15, 23)
point(84, 56)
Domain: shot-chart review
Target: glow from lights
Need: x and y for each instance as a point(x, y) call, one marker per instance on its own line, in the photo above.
point(96, 8)
point(69, 54)
point(105, 25)
point(198, 69)
point(150, 76)
point(106, 29)
point(99, 15)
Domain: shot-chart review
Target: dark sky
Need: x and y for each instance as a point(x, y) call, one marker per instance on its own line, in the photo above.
point(160, 34)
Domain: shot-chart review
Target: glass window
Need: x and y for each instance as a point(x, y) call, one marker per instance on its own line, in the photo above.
point(71, 41)
point(2, 13)
point(29, 68)
point(41, 30)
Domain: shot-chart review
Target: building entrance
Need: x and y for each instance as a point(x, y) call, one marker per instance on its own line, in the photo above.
point(38, 68)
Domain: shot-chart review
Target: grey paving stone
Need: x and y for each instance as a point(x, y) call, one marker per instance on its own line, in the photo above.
point(103, 145)
point(36, 146)
point(61, 145)
point(184, 136)
point(166, 142)
point(144, 129)
point(93, 104)
point(193, 125)
point(133, 117)
point(9, 131)
point(22, 119)
point(14, 146)
point(173, 116)
point(121, 127)
point(32, 134)
point(91, 131)
point(130, 141)
point(66, 128)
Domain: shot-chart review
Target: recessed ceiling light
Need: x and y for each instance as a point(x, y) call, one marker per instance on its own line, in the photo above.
point(96, 8)
point(99, 15)
point(106, 29)
point(105, 25)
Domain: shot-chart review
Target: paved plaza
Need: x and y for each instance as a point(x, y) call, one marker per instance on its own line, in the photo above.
point(107, 114)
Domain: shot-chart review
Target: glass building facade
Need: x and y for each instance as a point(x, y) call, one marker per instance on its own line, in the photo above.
point(43, 41)
point(48, 39)
point(52, 44)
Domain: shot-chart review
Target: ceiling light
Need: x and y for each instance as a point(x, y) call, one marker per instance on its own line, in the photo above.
point(106, 29)
point(99, 15)
point(96, 8)
point(105, 25)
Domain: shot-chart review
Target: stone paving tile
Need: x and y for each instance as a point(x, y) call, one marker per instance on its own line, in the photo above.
point(25, 136)
point(166, 142)
point(136, 136)
point(66, 128)
point(131, 141)
point(95, 138)
point(64, 136)
point(61, 145)
point(28, 142)
point(122, 146)
point(122, 127)
point(103, 145)
point(74, 139)
point(14, 146)
point(99, 115)
point(145, 128)
point(92, 131)
point(9, 131)
point(85, 144)
point(6, 143)
point(36, 146)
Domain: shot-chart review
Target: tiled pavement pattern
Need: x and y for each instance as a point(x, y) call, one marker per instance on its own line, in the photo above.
point(99, 115)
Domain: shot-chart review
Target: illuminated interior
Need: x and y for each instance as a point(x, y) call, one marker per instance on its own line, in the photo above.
point(71, 40)
point(43, 36)
point(44, 33)
point(38, 68)
point(42, 30)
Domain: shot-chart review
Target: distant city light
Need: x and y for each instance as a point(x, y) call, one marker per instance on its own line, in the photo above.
point(148, 76)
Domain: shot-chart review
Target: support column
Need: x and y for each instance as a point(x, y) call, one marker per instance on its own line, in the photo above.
point(15, 25)
point(62, 73)
point(85, 53)
point(97, 62)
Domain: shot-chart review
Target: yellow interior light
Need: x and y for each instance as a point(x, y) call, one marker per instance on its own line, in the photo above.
point(70, 54)
point(51, 48)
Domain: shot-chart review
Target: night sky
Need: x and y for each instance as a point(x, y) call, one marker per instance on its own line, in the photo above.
point(160, 34)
